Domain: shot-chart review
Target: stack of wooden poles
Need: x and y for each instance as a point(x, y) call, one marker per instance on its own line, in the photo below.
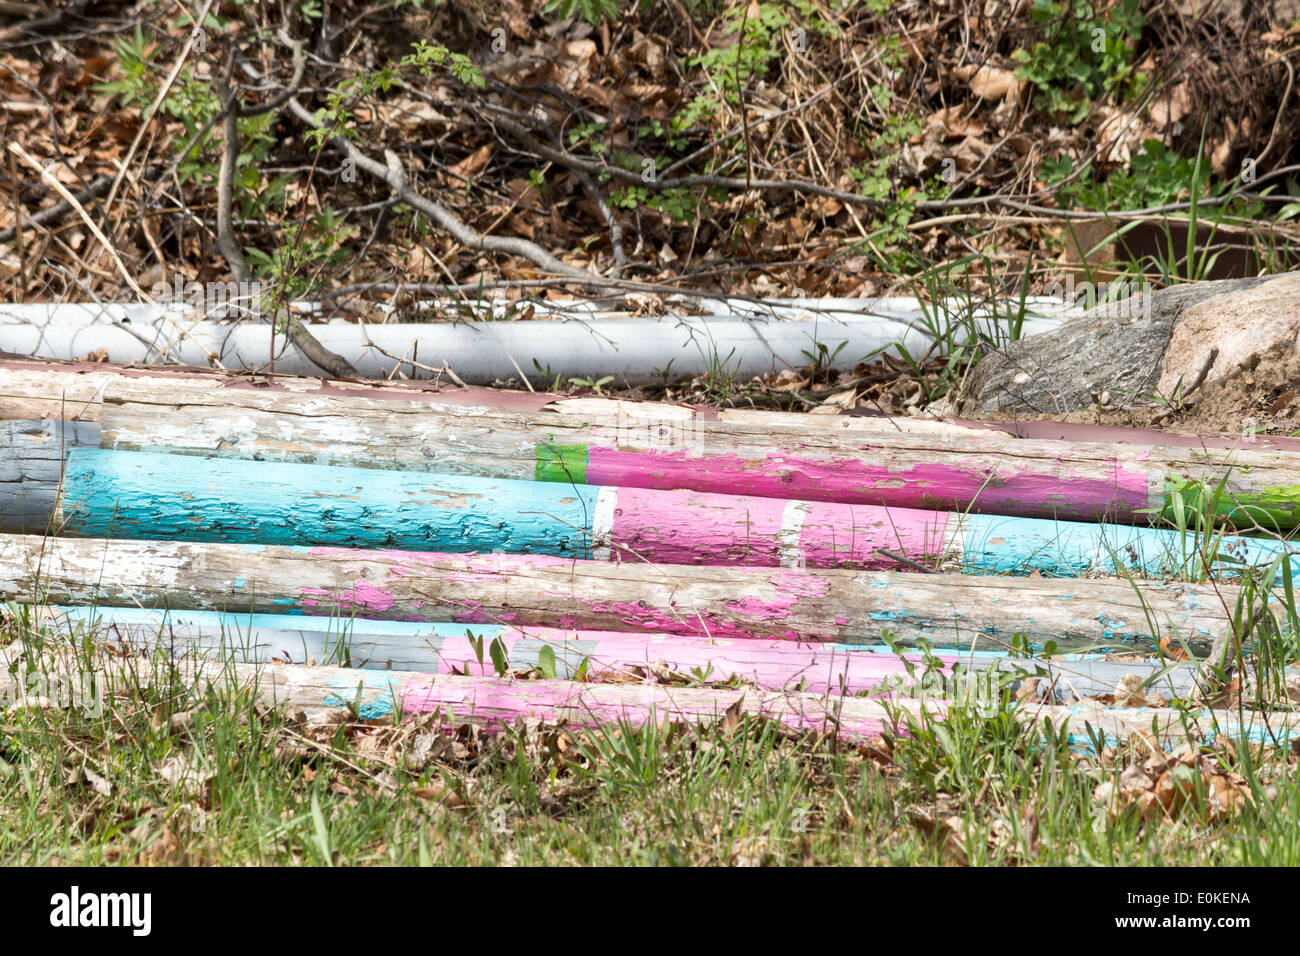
point(647, 560)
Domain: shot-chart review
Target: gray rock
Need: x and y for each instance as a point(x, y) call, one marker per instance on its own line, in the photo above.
point(1259, 323)
point(1118, 347)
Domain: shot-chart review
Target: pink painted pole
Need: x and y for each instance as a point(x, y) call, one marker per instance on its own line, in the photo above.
point(769, 665)
point(591, 704)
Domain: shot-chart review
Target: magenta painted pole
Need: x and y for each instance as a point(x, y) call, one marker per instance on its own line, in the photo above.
point(497, 702)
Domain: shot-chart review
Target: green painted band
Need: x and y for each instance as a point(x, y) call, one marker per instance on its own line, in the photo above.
point(1272, 508)
point(556, 462)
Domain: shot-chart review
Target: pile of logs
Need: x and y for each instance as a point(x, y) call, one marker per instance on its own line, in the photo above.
point(470, 539)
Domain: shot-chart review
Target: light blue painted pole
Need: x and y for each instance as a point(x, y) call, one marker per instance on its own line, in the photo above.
point(142, 495)
point(441, 647)
point(146, 495)
point(1005, 545)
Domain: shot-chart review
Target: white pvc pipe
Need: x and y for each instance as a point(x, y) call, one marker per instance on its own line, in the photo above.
point(899, 308)
point(635, 351)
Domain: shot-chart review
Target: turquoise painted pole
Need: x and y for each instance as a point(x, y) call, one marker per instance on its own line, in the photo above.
point(144, 495)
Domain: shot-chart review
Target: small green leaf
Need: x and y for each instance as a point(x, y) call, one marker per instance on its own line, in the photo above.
point(322, 833)
point(500, 660)
point(546, 662)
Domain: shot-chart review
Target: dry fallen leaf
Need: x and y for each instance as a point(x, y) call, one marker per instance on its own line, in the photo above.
point(178, 772)
point(1170, 106)
point(787, 380)
point(97, 783)
point(438, 792)
point(989, 82)
point(1028, 690)
point(732, 718)
point(1128, 691)
point(1134, 778)
point(951, 121)
point(1170, 650)
point(1121, 135)
point(948, 829)
point(879, 750)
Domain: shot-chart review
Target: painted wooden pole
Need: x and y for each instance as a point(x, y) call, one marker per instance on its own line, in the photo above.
point(143, 495)
point(451, 648)
point(1086, 472)
point(847, 459)
point(443, 648)
point(486, 701)
point(31, 463)
point(42, 388)
point(47, 408)
point(525, 590)
point(493, 703)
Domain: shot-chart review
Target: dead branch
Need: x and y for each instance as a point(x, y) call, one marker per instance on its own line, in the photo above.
point(393, 175)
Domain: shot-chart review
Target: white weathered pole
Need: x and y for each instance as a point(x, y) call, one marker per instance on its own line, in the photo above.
point(633, 351)
point(829, 605)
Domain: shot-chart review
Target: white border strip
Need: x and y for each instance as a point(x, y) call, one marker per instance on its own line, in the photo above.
point(602, 524)
point(791, 538)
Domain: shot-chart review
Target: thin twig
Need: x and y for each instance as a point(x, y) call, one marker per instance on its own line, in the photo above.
point(903, 559)
point(444, 218)
point(1205, 370)
point(98, 186)
point(611, 221)
point(432, 369)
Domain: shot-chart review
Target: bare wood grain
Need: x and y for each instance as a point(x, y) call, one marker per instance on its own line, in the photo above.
point(829, 605)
